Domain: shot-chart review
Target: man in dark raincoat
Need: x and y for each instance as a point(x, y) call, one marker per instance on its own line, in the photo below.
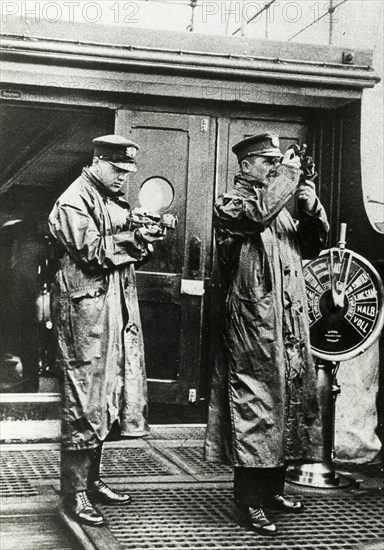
point(264, 409)
point(96, 320)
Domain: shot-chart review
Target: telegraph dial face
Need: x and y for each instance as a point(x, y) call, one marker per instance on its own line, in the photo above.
point(345, 303)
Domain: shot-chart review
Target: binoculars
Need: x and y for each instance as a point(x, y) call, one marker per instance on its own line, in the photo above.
point(141, 218)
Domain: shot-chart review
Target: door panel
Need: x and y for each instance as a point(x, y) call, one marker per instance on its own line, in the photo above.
point(163, 154)
point(170, 287)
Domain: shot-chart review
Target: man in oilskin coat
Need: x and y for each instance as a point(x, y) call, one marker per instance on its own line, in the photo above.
point(264, 409)
point(96, 321)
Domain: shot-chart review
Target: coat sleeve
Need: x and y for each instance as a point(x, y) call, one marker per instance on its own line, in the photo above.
point(73, 226)
point(247, 215)
point(312, 231)
point(237, 217)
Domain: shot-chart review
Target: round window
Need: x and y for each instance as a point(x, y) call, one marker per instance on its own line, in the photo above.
point(156, 195)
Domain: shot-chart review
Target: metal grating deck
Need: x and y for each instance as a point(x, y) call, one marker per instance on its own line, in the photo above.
point(177, 432)
point(33, 465)
point(12, 486)
point(194, 457)
point(20, 471)
point(45, 464)
point(181, 502)
point(197, 518)
point(125, 462)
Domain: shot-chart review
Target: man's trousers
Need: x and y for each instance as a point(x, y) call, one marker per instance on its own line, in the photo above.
point(254, 486)
point(79, 469)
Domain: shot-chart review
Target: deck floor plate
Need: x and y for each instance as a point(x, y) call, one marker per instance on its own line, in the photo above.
point(180, 502)
point(205, 518)
point(34, 532)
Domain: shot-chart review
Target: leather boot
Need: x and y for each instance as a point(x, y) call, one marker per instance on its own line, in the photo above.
point(259, 521)
point(99, 491)
point(281, 502)
point(82, 510)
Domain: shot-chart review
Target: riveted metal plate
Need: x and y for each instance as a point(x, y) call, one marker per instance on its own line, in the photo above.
point(204, 517)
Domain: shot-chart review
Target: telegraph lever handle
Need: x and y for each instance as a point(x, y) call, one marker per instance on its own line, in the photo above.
point(339, 276)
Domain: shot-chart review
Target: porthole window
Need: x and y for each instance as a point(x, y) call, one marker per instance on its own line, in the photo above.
point(156, 195)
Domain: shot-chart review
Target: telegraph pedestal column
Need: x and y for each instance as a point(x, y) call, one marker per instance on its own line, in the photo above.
point(345, 305)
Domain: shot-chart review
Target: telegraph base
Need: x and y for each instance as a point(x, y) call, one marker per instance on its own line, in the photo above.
point(317, 475)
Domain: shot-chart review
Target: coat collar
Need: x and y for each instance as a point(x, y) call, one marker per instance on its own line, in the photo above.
point(104, 192)
point(246, 184)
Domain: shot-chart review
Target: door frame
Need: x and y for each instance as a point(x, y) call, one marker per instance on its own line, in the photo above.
point(191, 281)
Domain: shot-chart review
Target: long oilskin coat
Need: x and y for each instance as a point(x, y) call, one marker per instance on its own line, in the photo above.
point(96, 315)
point(264, 408)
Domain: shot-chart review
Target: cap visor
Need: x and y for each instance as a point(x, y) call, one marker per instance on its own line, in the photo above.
point(275, 153)
point(127, 166)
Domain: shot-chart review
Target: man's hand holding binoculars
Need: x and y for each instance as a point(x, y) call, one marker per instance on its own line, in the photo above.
point(306, 195)
point(151, 232)
point(306, 190)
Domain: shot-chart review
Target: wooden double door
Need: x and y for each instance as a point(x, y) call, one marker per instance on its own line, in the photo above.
point(183, 162)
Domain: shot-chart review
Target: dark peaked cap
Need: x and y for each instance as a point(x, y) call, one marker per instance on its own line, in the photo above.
point(117, 150)
point(265, 145)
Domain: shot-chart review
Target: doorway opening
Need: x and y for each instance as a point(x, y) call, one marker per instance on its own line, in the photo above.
point(44, 149)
